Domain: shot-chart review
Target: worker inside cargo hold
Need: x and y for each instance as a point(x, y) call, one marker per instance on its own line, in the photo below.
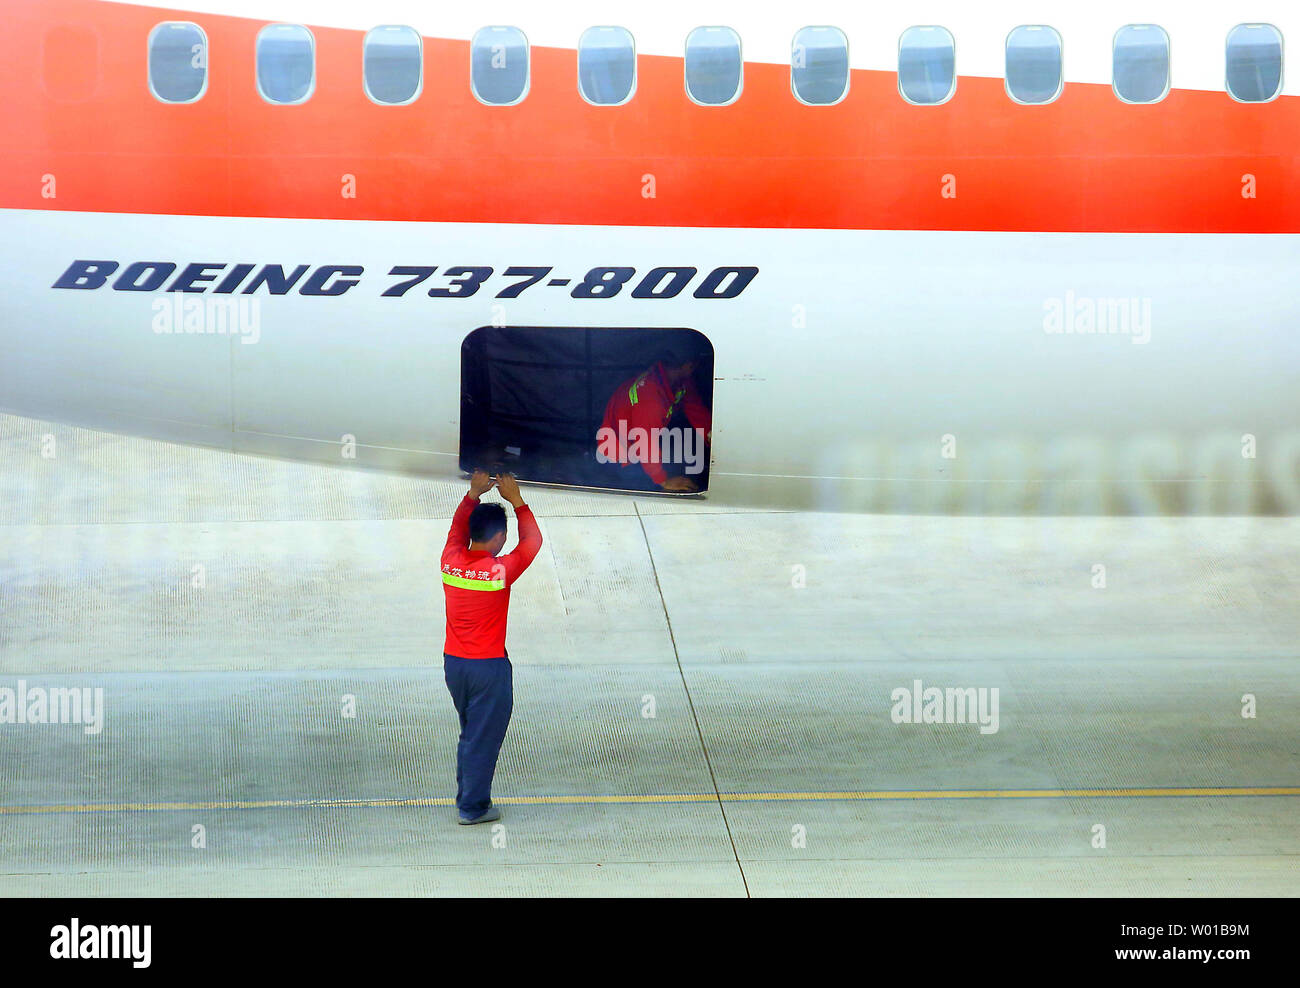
point(657, 430)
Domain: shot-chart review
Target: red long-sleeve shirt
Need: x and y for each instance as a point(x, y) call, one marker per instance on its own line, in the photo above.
point(476, 584)
point(648, 401)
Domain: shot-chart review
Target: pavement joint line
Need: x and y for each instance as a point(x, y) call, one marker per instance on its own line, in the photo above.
point(663, 798)
point(690, 702)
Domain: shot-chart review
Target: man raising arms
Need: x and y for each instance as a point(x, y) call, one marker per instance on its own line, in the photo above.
point(476, 582)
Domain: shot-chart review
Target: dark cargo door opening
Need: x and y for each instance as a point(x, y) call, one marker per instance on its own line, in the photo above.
point(579, 406)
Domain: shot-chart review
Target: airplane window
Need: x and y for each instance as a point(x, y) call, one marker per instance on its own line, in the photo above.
point(714, 73)
point(819, 66)
point(606, 65)
point(286, 63)
point(1034, 64)
point(178, 62)
point(391, 59)
point(927, 65)
point(625, 409)
point(1141, 63)
point(499, 66)
point(1254, 70)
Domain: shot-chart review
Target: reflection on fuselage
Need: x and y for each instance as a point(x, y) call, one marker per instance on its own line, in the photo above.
point(1145, 473)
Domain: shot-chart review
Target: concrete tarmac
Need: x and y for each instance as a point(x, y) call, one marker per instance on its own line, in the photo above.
point(707, 698)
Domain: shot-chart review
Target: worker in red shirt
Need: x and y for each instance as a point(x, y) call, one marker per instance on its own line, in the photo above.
point(476, 582)
point(641, 409)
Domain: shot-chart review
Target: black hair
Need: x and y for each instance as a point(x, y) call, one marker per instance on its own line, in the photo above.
point(679, 355)
point(486, 520)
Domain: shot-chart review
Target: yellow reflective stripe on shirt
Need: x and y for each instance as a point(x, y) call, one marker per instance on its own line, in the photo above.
point(464, 584)
point(673, 407)
point(632, 396)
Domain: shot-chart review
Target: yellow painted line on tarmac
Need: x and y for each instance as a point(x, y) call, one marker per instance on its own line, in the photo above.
point(1016, 793)
point(727, 797)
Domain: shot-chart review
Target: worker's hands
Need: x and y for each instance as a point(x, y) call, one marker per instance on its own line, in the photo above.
point(480, 483)
point(680, 485)
point(509, 489)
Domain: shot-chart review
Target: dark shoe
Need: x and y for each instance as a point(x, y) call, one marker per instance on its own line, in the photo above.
point(487, 816)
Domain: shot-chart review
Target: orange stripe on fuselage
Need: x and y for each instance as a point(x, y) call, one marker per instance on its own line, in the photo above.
point(1084, 163)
